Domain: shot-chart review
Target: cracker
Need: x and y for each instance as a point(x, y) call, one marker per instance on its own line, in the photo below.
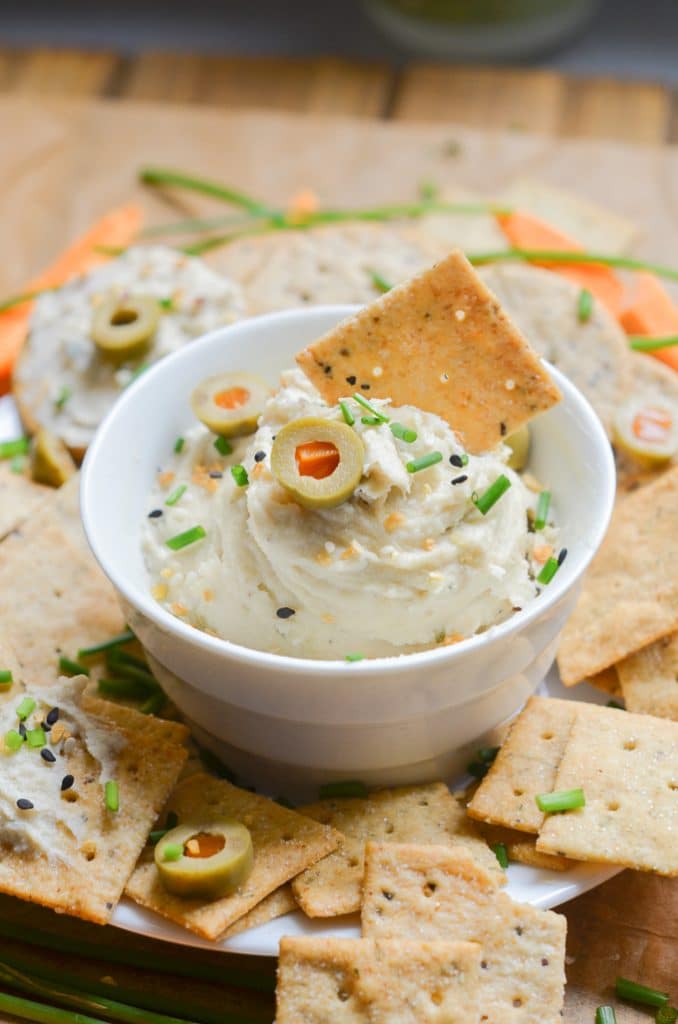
point(630, 593)
point(351, 981)
point(431, 892)
point(423, 814)
point(91, 858)
point(521, 848)
point(593, 354)
point(276, 905)
point(54, 599)
point(627, 766)
point(19, 498)
point(525, 766)
point(649, 679)
point(607, 681)
point(439, 342)
point(287, 269)
point(284, 844)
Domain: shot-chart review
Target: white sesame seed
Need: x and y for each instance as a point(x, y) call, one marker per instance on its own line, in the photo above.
point(459, 315)
point(509, 384)
point(377, 371)
point(330, 546)
point(444, 378)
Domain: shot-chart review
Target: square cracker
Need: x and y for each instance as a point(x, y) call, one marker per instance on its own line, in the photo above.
point(627, 766)
point(422, 814)
point(630, 593)
point(284, 844)
point(276, 905)
point(19, 498)
point(368, 981)
point(525, 766)
point(440, 342)
point(649, 679)
point(95, 854)
point(521, 848)
point(433, 892)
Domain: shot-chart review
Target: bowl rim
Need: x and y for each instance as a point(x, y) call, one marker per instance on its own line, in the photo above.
point(331, 668)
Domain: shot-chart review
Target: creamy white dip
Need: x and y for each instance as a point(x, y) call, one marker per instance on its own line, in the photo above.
point(63, 380)
point(406, 563)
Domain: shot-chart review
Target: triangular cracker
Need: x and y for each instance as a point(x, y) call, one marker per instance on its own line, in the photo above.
point(439, 342)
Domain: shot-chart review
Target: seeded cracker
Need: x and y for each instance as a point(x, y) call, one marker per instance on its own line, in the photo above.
point(630, 593)
point(423, 814)
point(284, 844)
point(430, 892)
point(649, 679)
point(70, 852)
point(351, 981)
point(439, 342)
point(627, 766)
point(525, 766)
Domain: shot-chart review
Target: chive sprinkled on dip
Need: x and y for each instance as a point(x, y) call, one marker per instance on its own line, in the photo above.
point(424, 461)
point(491, 496)
point(6, 678)
point(182, 540)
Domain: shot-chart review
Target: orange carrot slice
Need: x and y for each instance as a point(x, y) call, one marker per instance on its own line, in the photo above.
point(652, 313)
point(318, 459)
point(115, 230)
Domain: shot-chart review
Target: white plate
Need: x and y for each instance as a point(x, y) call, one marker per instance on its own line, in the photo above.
point(525, 884)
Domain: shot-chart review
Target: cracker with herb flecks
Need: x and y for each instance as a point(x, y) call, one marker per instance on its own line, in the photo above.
point(521, 848)
point(649, 679)
point(368, 981)
point(434, 892)
point(627, 766)
point(284, 842)
point(69, 851)
point(424, 814)
point(54, 598)
point(442, 343)
point(20, 497)
point(630, 593)
point(279, 903)
point(525, 766)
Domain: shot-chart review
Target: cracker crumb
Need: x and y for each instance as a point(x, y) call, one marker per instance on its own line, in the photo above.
point(165, 479)
point(429, 544)
point(159, 591)
point(208, 595)
point(452, 638)
point(328, 618)
point(179, 609)
point(57, 734)
point(322, 558)
point(460, 315)
point(542, 552)
point(259, 470)
point(167, 573)
point(349, 552)
point(394, 521)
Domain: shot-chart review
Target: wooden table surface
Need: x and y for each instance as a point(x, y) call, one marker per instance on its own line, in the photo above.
point(630, 925)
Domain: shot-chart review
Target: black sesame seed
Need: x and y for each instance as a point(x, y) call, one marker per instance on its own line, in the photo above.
point(285, 613)
point(502, 429)
point(47, 755)
point(328, 369)
point(456, 460)
point(155, 514)
point(66, 782)
point(259, 456)
point(52, 717)
point(562, 556)
point(351, 380)
point(24, 805)
point(460, 479)
point(22, 730)
point(216, 475)
point(365, 387)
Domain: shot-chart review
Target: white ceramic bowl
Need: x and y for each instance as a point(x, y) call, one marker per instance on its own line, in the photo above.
point(385, 720)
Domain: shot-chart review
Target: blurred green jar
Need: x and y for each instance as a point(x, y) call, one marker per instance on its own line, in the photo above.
point(481, 29)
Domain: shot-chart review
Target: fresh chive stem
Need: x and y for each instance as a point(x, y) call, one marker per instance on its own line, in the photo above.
point(379, 282)
point(124, 689)
point(370, 421)
point(491, 496)
point(403, 433)
point(112, 795)
point(423, 462)
point(548, 570)
point(642, 344)
point(370, 408)
point(176, 494)
point(18, 446)
point(68, 667)
point(182, 540)
point(25, 708)
point(118, 657)
point(501, 853)
point(223, 446)
point(562, 800)
point(584, 306)
point(154, 704)
point(583, 258)
point(637, 993)
point(606, 1015)
point(26, 1009)
point(178, 445)
point(197, 225)
point(347, 414)
point(543, 505)
point(142, 676)
point(239, 474)
point(356, 656)
point(107, 645)
point(6, 678)
point(350, 788)
point(160, 176)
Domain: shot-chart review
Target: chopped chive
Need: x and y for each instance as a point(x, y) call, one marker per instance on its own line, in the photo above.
point(428, 190)
point(637, 993)
point(106, 645)
point(564, 800)
point(6, 678)
point(176, 495)
point(615, 704)
point(118, 657)
point(153, 704)
point(112, 796)
point(25, 708)
point(548, 570)
point(123, 688)
point(543, 503)
point(13, 740)
point(487, 754)
point(584, 306)
point(182, 540)
point(379, 282)
point(371, 421)
point(459, 460)
point(605, 1015)
point(566, 256)
point(464, 459)
point(346, 413)
point(642, 344)
point(36, 737)
point(403, 433)
point(223, 446)
point(424, 461)
point(492, 495)
point(62, 398)
point(173, 851)
point(17, 447)
point(179, 445)
point(166, 304)
point(71, 668)
point(355, 657)
point(666, 1015)
point(18, 464)
point(343, 789)
point(370, 408)
point(501, 853)
point(142, 676)
point(239, 474)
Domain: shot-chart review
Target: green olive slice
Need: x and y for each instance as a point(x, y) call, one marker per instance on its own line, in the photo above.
point(519, 443)
point(123, 326)
point(230, 404)
point(647, 430)
point(205, 859)
point(51, 461)
point(320, 462)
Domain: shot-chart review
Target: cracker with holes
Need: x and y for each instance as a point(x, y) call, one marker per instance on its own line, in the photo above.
point(424, 814)
point(435, 892)
point(284, 844)
point(649, 679)
point(525, 766)
point(67, 840)
point(627, 766)
point(373, 981)
point(442, 343)
point(630, 593)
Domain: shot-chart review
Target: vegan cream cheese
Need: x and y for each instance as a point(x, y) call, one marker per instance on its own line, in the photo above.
point(417, 544)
